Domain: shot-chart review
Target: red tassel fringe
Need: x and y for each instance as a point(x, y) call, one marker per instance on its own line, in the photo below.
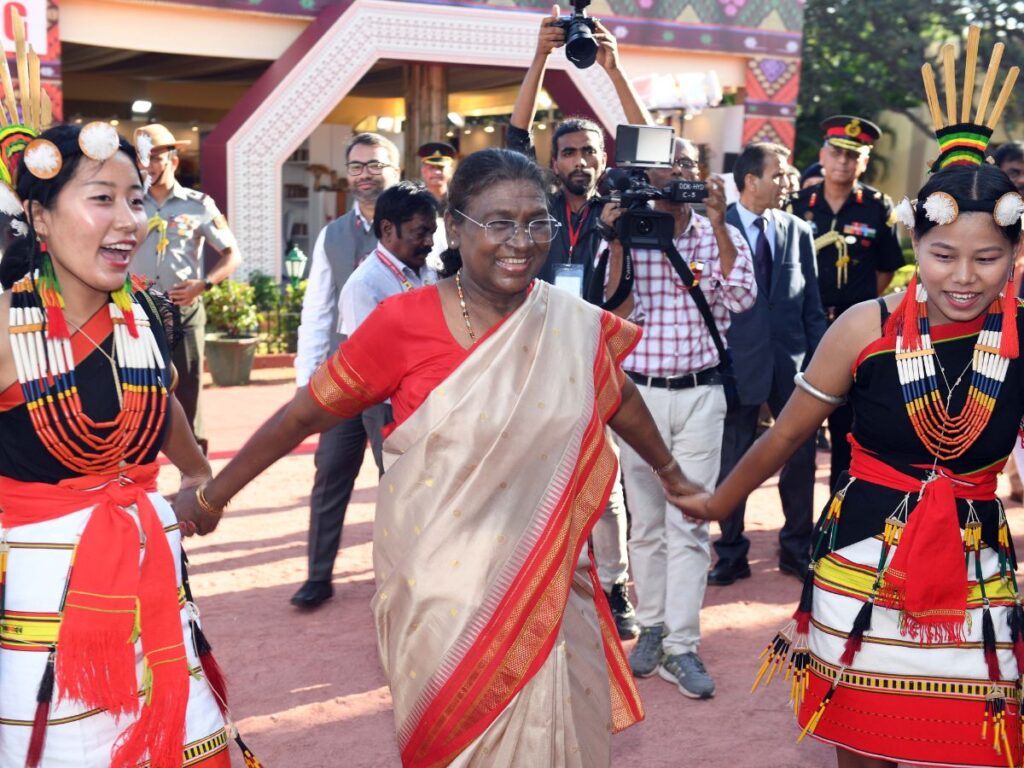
point(160, 729)
point(56, 326)
point(905, 319)
point(1010, 345)
point(38, 738)
point(803, 622)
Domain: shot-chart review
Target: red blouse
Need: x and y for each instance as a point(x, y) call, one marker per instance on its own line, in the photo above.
point(402, 351)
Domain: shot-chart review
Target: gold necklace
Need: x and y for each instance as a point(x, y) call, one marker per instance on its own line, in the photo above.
point(110, 359)
point(462, 303)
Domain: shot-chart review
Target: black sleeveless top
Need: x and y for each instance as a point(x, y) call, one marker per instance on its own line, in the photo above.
point(882, 427)
point(23, 456)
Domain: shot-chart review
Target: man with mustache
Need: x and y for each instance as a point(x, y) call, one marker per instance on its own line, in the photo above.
point(372, 165)
point(577, 160)
point(404, 220)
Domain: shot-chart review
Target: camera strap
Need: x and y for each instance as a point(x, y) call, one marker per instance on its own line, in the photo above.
point(686, 275)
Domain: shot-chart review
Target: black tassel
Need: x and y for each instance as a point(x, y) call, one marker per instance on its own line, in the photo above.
point(803, 609)
point(43, 698)
point(988, 637)
point(855, 639)
point(250, 758)
point(1016, 621)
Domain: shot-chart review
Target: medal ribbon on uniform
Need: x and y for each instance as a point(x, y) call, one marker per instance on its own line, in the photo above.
point(157, 223)
point(405, 281)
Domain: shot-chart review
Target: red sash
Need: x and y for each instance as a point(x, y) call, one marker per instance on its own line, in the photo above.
point(111, 600)
point(927, 579)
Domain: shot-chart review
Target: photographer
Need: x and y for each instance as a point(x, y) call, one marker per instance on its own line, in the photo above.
point(577, 147)
point(578, 160)
point(674, 368)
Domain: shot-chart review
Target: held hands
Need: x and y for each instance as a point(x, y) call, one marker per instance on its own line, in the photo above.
point(192, 518)
point(186, 292)
point(679, 491)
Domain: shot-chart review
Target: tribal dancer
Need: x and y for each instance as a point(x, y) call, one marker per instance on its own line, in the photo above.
point(908, 643)
point(102, 660)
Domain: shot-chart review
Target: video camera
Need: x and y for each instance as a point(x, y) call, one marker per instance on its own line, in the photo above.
point(638, 148)
point(580, 45)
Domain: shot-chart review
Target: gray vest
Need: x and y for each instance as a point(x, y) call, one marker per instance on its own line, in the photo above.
point(345, 243)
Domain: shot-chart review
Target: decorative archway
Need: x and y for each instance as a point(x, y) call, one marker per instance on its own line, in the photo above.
point(244, 155)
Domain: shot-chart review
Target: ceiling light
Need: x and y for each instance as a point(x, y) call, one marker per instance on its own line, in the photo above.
point(456, 119)
point(195, 129)
point(488, 129)
point(542, 126)
point(141, 107)
point(467, 132)
point(450, 134)
point(115, 122)
point(386, 124)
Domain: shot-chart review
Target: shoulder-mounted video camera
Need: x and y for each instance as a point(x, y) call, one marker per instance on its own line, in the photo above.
point(639, 148)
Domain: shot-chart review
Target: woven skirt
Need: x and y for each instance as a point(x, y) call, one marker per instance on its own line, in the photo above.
point(902, 700)
point(37, 571)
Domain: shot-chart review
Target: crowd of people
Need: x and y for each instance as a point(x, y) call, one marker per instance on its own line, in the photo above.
point(533, 388)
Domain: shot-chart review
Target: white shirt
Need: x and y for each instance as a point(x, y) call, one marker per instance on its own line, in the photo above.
point(372, 282)
point(321, 310)
point(751, 230)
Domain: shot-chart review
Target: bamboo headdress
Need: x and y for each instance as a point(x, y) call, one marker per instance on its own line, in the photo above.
point(963, 138)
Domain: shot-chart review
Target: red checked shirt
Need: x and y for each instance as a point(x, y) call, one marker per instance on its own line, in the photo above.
point(676, 339)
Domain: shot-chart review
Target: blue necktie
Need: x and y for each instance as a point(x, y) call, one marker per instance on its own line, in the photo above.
point(763, 254)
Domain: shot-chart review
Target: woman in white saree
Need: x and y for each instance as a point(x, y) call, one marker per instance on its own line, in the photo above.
point(499, 647)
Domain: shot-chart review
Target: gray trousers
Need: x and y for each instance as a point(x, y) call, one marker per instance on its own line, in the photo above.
point(338, 459)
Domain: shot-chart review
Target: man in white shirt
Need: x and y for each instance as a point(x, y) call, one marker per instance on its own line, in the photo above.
point(405, 220)
point(372, 164)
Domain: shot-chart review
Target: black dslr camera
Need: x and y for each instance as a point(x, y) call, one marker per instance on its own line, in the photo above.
point(580, 45)
point(637, 148)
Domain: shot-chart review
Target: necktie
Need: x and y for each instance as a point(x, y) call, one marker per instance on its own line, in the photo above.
point(763, 254)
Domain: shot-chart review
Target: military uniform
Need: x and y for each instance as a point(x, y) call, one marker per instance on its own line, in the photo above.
point(853, 245)
point(173, 252)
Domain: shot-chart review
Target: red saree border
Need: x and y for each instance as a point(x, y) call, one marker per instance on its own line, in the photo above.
point(532, 608)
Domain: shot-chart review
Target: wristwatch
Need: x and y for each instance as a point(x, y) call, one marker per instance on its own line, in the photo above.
point(208, 285)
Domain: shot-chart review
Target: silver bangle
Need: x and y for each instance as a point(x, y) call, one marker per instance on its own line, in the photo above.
point(816, 393)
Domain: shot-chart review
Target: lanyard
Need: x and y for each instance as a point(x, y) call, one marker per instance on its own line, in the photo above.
point(574, 234)
point(406, 283)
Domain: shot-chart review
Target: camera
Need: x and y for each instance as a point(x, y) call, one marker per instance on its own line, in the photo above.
point(580, 45)
point(639, 148)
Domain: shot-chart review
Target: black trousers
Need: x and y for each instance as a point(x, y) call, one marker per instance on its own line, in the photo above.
point(338, 459)
point(796, 487)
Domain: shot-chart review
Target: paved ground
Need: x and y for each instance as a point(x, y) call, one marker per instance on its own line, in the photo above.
point(307, 690)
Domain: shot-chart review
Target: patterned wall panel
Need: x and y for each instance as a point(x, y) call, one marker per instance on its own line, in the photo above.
point(770, 108)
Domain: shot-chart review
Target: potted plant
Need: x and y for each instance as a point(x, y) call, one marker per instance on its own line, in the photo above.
point(231, 338)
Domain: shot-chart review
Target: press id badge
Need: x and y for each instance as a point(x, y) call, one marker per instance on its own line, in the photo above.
point(569, 277)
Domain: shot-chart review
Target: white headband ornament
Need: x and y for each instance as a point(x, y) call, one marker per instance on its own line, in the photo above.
point(905, 213)
point(144, 147)
point(1008, 209)
point(42, 158)
point(98, 141)
point(10, 203)
point(941, 208)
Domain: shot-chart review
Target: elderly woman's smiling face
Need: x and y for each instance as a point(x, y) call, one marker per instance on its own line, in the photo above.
point(489, 265)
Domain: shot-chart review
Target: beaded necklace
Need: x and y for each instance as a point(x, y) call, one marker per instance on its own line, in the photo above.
point(45, 365)
point(946, 436)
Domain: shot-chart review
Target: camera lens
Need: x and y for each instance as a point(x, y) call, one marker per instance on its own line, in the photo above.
point(580, 45)
point(644, 226)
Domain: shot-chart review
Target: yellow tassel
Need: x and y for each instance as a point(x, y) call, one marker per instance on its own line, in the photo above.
point(137, 626)
point(893, 530)
point(147, 681)
point(813, 722)
point(773, 656)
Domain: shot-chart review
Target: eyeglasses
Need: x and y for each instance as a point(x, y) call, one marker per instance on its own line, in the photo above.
point(374, 167)
point(501, 231)
point(685, 163)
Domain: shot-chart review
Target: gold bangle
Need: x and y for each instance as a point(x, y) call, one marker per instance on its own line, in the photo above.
point(662, 471)
point(205, 505)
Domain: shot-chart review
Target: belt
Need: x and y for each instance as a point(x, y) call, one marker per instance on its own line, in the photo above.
point(685, 381)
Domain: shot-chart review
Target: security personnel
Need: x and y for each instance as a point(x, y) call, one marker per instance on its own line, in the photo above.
point(855, 237)
point(181, 220)
point(437, 166)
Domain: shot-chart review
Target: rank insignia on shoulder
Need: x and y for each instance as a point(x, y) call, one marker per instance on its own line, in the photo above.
point(219, 222)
